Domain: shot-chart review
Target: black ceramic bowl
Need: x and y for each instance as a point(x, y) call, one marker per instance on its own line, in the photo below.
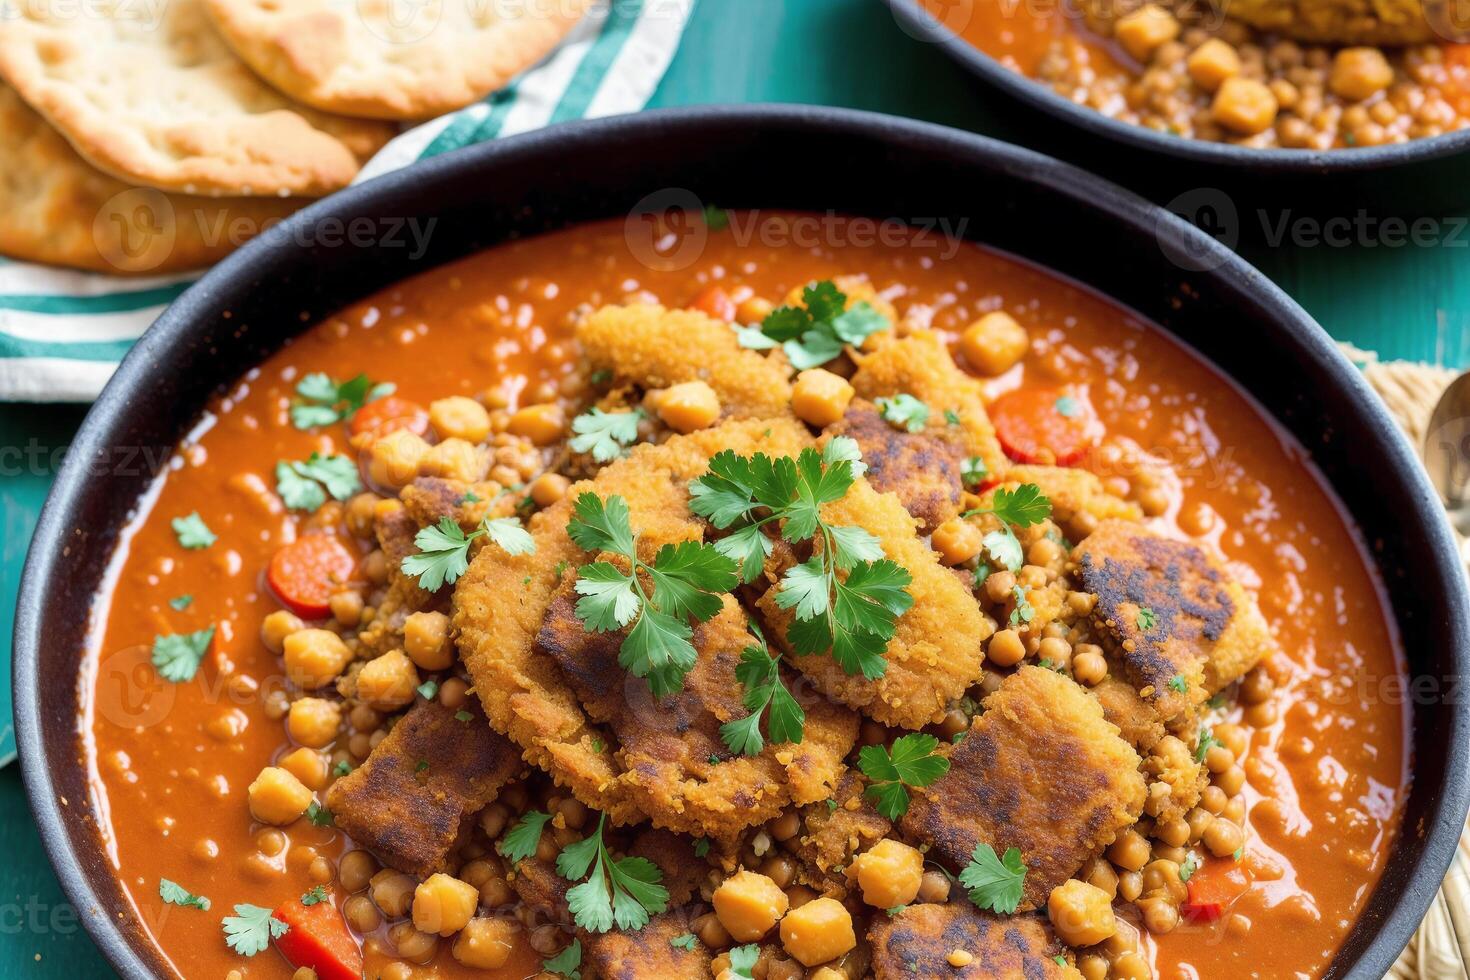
point(778, 157)
point(1423, 177)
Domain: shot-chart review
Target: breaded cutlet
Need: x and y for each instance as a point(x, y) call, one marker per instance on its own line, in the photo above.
point(917, 941)
point(923, 468)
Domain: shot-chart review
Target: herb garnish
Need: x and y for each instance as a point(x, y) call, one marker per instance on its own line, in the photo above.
point(521, 841)
point(904, 411)
point(760, 672)
point(1146, 619)
point(1207, 741)
point(743, 960)
point(315, 897)
point(606, 435)
point(342, 768)
point(177, 656)
point(305, 485)
point(567, 962)
point(251, 929)
point(973, 472)
point(319, 815)
point(181, 602)
point(911, 761)
point(1023, 612)
point(1021, 507)
point(192, 532)
point(444, 549)
point(324, 401)
point(428, 689)
point(685, 942)
point(624, 892)
point(815, 333)
point(176, 894)
point(686, 580)
point(1178, 683)
point(995, 883)
point(1189, 867)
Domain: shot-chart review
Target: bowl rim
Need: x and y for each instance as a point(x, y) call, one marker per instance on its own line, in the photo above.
point(45, 557)
point(918, 23)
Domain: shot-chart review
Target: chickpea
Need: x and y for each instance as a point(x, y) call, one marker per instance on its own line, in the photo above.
point(1218, 759)
point(393, 460)
point(1257, 687)
point(1223, 838)
point(453, 693)
point(542, 424)
point(548, 488)
point(1092, 967)
point(1359, 73)
point(388, 681)
point(314, 722)
point(1100, 874)
point(954, 722)
point(780, 869)
point(412, 944)
point(1213, 62)
point(1130, 885)
point(1042, 552)
point(689, 406)
point(485, 943)
point(1089, 668)
point(362, 915)
point(392, 892)
point(707, 927)
point(1199, 819)
point(1160, 916)
point(359, 515)
point(1231, 781)
point(347, 607)
point(1232, 736)
point(314, 658)
point(998, 585)
point(1055, 650)
point(1082, 914)
point(1131, 966)
point(993, 344)
point(444, 905)
point(889, 874)
point(1130, 851)
point(1244, 106)
point(786, 826)
point(1006, 648)
point(1145, 29)
point(426, 640)
point(455, 459)
point(957, 541)
point(1213, 799)
point(458, 417)
point(820, 397)
point(356, 870)
point(819, 931)
point(308, 766)
point(1174, 832)
point(799, 895)
point(748, 905)
point(277, 797)
point(276, 627)
point(933, 888)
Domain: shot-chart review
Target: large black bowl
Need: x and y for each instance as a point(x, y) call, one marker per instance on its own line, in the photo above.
point(1424, 177)
point(780, 157)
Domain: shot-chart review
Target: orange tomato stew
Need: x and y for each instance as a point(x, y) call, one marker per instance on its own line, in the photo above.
point(821, 611)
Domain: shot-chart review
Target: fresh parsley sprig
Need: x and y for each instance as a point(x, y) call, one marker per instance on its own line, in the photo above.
point(567, 963)
point(251, 929)
point(623, 892)
point(853, 617)
point(995, 883)
point(743, 960)
point(177, 656)
point(686, 580)
point(444, 549)
point(606, 435)
point(904, 411)
point(323, 401)
point(522, 840)
point(192, 532)
point(175, 894)
point(305, 484)
point(315, 896)
point(760, 672)
point(911, 762)
point(815, 333)
point(1022, 507)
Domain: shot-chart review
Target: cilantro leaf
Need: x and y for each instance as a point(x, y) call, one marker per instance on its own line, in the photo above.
point(177, 656)
point(319, 815)
point(760, 672)
point(622, 893)
point(323, 401)
point(973, 472)
point(522, 840)
point(686, 942)
point(910, 762)
point(251, 929)
point(1022, 612)
point(176, 894)
point(181, 602)
point(1024, 506)
point(995, 883)
point(567, 963)
point(606, 435)
point(599, 526)
point(192, 532)
point(840, 449)
point(512, 537)
point(817, 331)
point(610, 598)
point(743, 960)
point(315, 897)
point(904, 411)
point(428, 689)
point(1179, 684)
point(1207, 741)
point(1147, 619)
point(444, 549)
point(305, 485)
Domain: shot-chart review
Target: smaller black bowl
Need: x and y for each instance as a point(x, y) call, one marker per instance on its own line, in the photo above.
point(1417, 178)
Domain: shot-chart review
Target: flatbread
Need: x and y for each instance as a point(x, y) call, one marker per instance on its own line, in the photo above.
point(58, 209)
point(393, 59)
point(152, 95)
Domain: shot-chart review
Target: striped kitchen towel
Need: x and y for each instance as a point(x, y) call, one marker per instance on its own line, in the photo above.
point(62, 333)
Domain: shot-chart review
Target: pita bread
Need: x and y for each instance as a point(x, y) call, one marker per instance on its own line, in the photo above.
point(393, 59)
point(58, 209)
point(147, 91)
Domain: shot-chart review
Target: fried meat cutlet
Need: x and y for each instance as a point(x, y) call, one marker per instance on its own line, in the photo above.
point(1041, 770)
point(417, 789)
point(922, 468)
point(833, 833)
point(917, 941)
point(656, 348)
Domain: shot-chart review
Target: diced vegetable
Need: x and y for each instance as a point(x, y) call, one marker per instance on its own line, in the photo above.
point(305, 573)
point(390, 415)
point(318, 939)
point(1045, 425)
point(1213, 889)
point(715, 302)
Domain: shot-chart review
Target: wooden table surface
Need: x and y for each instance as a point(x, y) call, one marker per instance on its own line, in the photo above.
point(1402, 301)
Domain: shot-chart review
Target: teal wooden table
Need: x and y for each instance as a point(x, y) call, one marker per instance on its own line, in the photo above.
point(1404, 301)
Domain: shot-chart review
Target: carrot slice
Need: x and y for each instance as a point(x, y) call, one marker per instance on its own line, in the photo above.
point(1045, 425)
point(1213, 889)
point(305, 573)
point(715, 302)
point(317, 938)
point(389, 415)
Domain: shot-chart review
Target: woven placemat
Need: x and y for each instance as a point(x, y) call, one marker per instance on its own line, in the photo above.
point(1440, 950)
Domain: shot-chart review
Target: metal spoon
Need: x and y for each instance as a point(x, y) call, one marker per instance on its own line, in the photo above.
point(1446, 450)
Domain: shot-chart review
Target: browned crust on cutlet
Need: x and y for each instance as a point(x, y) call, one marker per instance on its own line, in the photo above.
point(835, 831)
point(411, 797)
point(920, 365)
point(922, 468)
point(918, 940)
point(1041, 770)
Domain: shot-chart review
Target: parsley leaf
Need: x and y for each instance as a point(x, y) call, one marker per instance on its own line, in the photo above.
point(428, 689)
point(181, 602)
point(904, 412)
point(1146, 619)
point(1189, 867)
point(701, 847)
point(567, 963)
point(760, 672)
point(973, 472)
point(685, 942)
point(1178, 683)
point(743, 960)
point(606, 435)
point(816, 332)
point(315, 897)
point(995, 883)
point(300, 485)
point(251, 929)
point(342, 768)
point(685, 580)
point(911, 762)
point(323, 401)
point(177, 656)
point(462, 715)
point(521, 841)
point(176, 894)
point(1023, 612)
point(319, 815)
point(1207, 741)
point(444, 549)
point(1068, 407)
point(192, 532)
point(1024, 506)
point(622, 893)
